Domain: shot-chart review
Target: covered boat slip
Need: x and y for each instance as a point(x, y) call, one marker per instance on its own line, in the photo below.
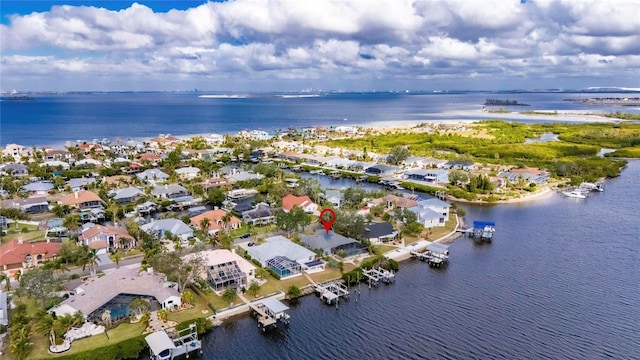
point(435, 255)
point(483, 230)
point(269, 312)
point(162, 347)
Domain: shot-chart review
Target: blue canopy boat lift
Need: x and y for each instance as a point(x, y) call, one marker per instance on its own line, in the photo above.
point(482, 230)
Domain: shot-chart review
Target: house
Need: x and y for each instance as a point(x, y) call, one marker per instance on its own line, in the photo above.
point(428, 175)
point(55, 164)
point(304, 202)
point(82, 200)
point(422, 162)
point(333, 243)
point(170, 191)
point(346, 129)
point(126, 195)
point(102, 238)
point(381, 170)
point(281, 255)
point(152, 176)
point(14, 169)
point(216, 221)
point(149, 158)
point(225, 269)
point(31, 205)
point(116, 290)
point(261, 214)
point(380, 232)
point(290, 156)
point(16, 255)
point(245, 176)
point(432, 212)
point(87, 163)
point(80, 183)
point(259, 135)
point(530, 175)
point(174, 227)
point(146, 207)
point(335, 197)
point(38, 187)
point(188, 172)
point(393, 201)
point(459, 165)
point(16, 151)
point(215, 182)
point(57, 155)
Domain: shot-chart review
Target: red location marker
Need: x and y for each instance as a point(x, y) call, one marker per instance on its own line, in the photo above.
point(323, 219)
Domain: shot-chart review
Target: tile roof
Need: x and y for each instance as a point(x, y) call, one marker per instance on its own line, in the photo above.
point(289, 201)
point(79, 197)
point(215, 219)
point(14, 253)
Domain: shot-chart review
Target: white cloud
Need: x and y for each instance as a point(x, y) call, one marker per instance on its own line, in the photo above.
point(325, 40)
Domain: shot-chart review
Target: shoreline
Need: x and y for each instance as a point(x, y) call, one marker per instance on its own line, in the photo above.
point(538, 195)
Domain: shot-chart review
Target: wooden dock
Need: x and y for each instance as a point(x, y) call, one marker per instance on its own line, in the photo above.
point(435, 255)
point(332, 291)
point(377, 275)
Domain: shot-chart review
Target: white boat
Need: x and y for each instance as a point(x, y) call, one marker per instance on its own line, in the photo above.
point(592, 186)
point(576, 194)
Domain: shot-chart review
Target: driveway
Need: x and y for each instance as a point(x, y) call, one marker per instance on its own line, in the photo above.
point(104, 260)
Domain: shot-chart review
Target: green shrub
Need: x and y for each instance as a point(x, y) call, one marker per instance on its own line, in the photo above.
point(202, 325)
point(126, 349)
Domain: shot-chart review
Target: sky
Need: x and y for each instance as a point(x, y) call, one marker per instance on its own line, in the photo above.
point(294, 45)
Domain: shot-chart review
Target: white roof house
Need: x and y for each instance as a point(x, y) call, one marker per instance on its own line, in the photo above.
point(432, 212)
point(225, 264)
point(152, 176)
point(85, 162)
point(173, 226)
point(93, 295)
point(188, 172)
point(55, 164)
point(280, 246)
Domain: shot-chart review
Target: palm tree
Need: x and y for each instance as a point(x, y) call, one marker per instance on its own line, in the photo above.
point(89, 259)
point(72, 223)
point(229, 294)
point(4, 277)
point(187, 297)
point(163, 314)
point(47, 324)
point(106, 317)
point(20, 344)
point(116, 259)
point(145, 318)
point(253, 289)
point(226, 219)
point(204, 224)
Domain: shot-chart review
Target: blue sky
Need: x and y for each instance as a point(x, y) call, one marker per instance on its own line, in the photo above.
point(289, 45)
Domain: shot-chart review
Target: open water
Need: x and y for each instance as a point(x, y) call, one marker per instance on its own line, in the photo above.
point(54, 119)
point(561, 280)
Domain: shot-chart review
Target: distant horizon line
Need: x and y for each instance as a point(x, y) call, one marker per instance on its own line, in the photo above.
point(317, 91)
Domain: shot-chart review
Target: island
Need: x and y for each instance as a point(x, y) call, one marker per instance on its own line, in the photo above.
point(500, 102)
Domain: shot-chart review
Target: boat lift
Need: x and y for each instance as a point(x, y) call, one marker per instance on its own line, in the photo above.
point(436, 255)
point(270, 311)
point(483, 230)
point(162, 347)
point(330, 292)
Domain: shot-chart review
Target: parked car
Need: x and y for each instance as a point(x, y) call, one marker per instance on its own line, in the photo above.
point(245, 236)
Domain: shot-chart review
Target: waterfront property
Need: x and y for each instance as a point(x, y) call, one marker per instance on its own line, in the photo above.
point(432, 212)
point(225, 269)
point(380, 232)
point(126, 195)
point(82, 200)
point(529, 175)
point(333, 243)
point(381, 170)
point(428, 175)
point(115, 291)
point(281, 255)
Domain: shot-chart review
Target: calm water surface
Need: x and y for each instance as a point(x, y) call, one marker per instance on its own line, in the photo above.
point(560, 281)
